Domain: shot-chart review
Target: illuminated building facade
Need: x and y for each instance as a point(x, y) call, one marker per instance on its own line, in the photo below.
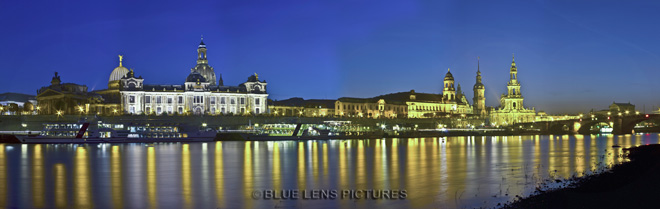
point(408, 104)
point(370, 108)
point(200, 94)
point(15, 103)
point(511, 108)
point(299, 107)
point(64, 98)
point(622, 107)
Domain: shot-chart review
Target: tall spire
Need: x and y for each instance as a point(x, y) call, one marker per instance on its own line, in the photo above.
point(478, 67)
point(121, 57)
point(513, 60)
point(478, 84)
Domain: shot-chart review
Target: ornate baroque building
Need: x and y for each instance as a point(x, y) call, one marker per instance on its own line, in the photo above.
point(408, 104)
point(199, 94)
point(511, 108)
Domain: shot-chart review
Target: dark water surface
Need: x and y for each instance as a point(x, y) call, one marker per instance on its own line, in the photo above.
point(453, 172)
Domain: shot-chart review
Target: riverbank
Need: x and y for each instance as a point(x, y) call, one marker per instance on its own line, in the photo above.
point(634, 184)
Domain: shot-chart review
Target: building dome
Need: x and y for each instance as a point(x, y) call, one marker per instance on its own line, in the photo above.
point(119, 72)
point(449, 76)
point(195, 77)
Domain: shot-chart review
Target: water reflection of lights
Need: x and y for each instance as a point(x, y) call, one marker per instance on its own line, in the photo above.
point(3, 174)
point(219, 175)
point(116, 178)
point(82, 186)
point(38, 183)
point(60, 185)
point(186, 184)
point(151, 177)
point(476, 168)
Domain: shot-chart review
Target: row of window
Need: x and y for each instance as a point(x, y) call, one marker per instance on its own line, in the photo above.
point(196, 100)
point(372, 106)
point(160, 110)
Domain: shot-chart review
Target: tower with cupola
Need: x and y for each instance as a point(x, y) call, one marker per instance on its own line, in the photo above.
point(479, 98)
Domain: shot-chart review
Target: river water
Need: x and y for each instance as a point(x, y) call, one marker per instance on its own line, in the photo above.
point(452, 172)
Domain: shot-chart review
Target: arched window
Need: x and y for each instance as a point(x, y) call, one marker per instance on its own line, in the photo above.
point(514, 105)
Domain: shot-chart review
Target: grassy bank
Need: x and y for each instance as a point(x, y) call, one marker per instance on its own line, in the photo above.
point(635, 184)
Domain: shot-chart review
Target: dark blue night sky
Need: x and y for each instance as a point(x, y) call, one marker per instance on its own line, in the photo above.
point(572, 56)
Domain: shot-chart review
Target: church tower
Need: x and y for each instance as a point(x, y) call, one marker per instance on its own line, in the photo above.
point(511, 110)
point(513, 99)
point(202, 66)
point(479, 99)
point(448, 92)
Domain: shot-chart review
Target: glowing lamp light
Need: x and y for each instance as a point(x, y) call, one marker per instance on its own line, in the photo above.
point(647, 115)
